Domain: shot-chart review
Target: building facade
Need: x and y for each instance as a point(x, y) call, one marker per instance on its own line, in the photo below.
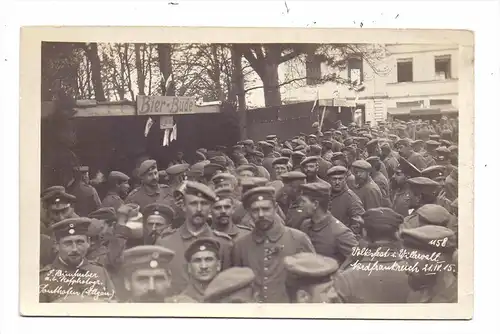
point(411, 79)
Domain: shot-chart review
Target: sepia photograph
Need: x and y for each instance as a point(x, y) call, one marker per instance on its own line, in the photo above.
point(268, 173)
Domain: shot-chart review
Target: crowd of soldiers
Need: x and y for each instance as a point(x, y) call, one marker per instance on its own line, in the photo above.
point(354, 214)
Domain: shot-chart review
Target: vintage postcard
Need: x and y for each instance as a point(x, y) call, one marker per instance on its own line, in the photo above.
point(300, 173)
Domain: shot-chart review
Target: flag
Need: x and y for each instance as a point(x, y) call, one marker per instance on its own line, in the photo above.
point(173, 134)
point(165, 137)
point(149, 124)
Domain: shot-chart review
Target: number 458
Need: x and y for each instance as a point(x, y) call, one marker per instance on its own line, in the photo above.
point(439, 242)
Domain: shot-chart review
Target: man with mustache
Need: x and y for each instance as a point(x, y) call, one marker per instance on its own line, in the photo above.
point(118, 190)
point(270, 242)
point(203, 264)
point(71, 274)
point(150, 191)
point(157, 218)
point(147, 274)
point(367, 190)
point(435, 280)
point(176, 175)
point(198, 198)
point(222, 212)
point(310, 167)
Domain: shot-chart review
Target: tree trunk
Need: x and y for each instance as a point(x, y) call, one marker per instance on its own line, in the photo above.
point(95, 63)
point(165, 64)
point(150, 69)
point(238, 84)
point(217, 73)
point(139, 68)
point(271, 83)
point(126, 62)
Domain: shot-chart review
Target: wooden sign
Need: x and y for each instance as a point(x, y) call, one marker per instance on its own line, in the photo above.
point(165, 105)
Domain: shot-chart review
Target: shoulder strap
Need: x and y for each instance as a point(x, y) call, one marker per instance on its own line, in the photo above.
point(222, 235)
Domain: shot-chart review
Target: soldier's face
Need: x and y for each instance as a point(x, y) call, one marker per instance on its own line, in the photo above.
point(414, 199)
point(280, 169)
point(58, 215)
point(338, 182)
point(246, 173)
point(311, 141)
point(72, 249)
point(196, 209)
point(263, 213)
point(151, 178)
point(149, 285)
point(124, 188)
point(308, 206)
point(86, 178)
point(222, 211)
point(311, 169)
point(399, 178)
point(360, 175)
point(204, 266)
point(404, 150)
point(155, 224)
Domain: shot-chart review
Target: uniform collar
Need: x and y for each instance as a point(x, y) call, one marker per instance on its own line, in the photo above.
point(186, 234)
point(230, 229)
point(274, 234)
point(336, 194)
point(58, 262)
point(151, 191)
point(322, 223)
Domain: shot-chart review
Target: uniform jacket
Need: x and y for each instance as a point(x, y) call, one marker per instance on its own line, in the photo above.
point(345, 205)
point(369, 194)
point(267, 163)
point(264, 254)
point(233, 230)
point(89, 279)
point(194, 291)
point(382, 183)
point(417, 160)
point(429, 159)
point(179, 240)
point(87, 199)
point(330, 237)
point(380, 286)
point(390, 163)
point(445, 291)
point(112, 200)
point(324, 166)
point(143, 197)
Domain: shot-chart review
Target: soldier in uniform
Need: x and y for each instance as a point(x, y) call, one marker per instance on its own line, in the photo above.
point(203, 264)
point(380, 180)
point(233, 285)
point(147, 276)
point(310, 167)
point(222, 212)
point(280, 166)
point(157, 217)
point(367, 190)
point(344, 204)
point(309, 278)
point(406, 151)
point(430, 152)
point(264, 249)
point(176, 175)
point(373, 150)
point(150, 191)
point(297, 157)
point(355, 285)
point(434, 281)
point(71, 274)
point(329, 236)
point(87, 199)
point(323, 165)
point(388, 157)
point(118, 190)
point(198, 199)
point(288, 198)
point(267, 162)
point(107, 239)
point(401, 188)
point(421, 191)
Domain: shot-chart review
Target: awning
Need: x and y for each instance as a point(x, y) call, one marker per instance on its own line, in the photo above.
point(434, 110)
point(398, 111)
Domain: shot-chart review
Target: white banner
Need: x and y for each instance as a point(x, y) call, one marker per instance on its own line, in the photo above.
point(166, 122)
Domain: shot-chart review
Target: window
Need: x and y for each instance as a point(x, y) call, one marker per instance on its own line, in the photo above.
point(355, 70)
point(442, 65)
point(439, 102)
point(410, 104)
point(405, 70)
point(313, 69)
